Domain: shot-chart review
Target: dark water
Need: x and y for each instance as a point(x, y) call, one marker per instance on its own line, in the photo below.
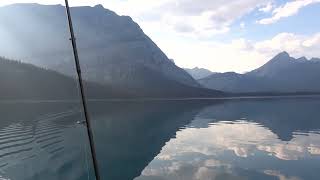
point(164, 140)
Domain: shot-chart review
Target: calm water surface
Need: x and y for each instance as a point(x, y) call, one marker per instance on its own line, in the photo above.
point(164, 140)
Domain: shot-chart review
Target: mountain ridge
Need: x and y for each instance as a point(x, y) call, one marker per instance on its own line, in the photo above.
point(102, 36)
point(282, 73)
point(198, 73)
point(22, 81)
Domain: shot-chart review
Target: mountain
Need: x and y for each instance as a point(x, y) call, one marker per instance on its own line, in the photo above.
point(113, 50)
point(22, 81)
point(198, 73)
point(277, 65)
point(234, 82)
point(282, 73)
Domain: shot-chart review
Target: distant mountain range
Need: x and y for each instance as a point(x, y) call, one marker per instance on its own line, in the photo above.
point(113, 50)
point(283, 73)
point(198, 73)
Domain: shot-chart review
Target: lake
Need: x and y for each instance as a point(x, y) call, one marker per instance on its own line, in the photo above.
point(163, 140)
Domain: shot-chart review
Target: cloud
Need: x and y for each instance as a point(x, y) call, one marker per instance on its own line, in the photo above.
point(289, 9)
point(195, 170)
point(243, 138)
point(314, 150)
point(296, 45)
point(280, 176)
point(266, 8)
point(242, 25)
point(190, 155)
point(203, 18)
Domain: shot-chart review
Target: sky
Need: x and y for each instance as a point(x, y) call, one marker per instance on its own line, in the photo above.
point(220, 35)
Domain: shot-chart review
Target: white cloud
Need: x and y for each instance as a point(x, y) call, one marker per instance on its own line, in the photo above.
point(314, 150)
point(243, 138)
point(280, 176)
point(202, 151)
point(242, 25)
point(197, 18)
point(266, 8)
point(201, 18)
point(289, 9)
point(296, 45)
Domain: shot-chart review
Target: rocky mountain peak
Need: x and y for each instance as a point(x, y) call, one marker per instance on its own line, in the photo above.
point(99, 6)
point(302, 59)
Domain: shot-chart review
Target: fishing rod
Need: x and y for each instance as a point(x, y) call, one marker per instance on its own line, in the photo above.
point(83, 97)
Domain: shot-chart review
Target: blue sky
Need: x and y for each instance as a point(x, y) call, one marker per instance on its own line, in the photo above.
point(220, 35)
point(303, 22)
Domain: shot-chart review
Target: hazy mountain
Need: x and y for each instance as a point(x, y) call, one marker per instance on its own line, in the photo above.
point(198, 73)
point(278, 65)
point(25, 81)
point(281, 74)
point(113, 49)
point(234, 82)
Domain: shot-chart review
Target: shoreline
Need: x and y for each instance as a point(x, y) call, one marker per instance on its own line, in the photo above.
point(30, 101)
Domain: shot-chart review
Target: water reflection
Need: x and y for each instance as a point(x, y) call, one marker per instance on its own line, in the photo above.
point(130, 134)
point(207, 139)
point(233, 140)
point(42, 141)
point(235, 146)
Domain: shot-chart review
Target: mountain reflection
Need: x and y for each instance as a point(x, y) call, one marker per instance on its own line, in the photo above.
point(210, 149)
point(235, 140)
point(130, 134)
point(163, 140)
point(222, 139)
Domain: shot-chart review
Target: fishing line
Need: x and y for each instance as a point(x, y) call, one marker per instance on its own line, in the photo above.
point(83, 98)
